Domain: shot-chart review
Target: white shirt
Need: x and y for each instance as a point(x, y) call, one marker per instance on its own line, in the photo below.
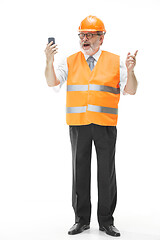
point(62, 72)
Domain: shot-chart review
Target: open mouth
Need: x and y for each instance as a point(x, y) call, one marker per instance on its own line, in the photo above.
point(86, 44)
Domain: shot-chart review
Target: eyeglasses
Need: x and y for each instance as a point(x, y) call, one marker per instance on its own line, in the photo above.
point(88, 35)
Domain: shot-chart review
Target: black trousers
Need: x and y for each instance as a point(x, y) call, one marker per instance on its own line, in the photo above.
point(104, 138)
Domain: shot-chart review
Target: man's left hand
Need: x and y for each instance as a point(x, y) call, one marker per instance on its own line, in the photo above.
point(131, 61)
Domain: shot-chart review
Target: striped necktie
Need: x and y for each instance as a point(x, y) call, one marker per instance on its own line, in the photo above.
point(90, 61)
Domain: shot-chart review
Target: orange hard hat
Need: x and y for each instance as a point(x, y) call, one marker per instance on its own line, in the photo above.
point(92, 24)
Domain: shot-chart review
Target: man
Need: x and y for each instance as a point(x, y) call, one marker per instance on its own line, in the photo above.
point(94, 81)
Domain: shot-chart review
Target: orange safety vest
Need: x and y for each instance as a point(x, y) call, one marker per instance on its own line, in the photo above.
point(93, 96)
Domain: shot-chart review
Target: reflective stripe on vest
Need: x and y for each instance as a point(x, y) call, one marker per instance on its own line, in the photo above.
point(95, 108)
point(76, 109)
point(94, 87)
point(77, 88)
point(92, 108)
point(103, 88)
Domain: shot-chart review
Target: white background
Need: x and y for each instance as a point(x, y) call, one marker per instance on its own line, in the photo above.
point(35, 155)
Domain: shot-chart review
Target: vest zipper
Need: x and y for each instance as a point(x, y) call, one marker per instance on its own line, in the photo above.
point(88, 98)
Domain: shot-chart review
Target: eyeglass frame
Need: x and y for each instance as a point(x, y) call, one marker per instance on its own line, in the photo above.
point(85, 34)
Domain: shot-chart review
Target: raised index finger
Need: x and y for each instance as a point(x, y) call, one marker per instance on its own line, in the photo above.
point(135, 53)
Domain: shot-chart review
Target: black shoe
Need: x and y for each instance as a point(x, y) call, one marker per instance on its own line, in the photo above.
point(110, 230)
point(78, 228)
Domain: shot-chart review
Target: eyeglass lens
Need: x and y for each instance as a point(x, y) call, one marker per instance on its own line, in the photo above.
point(88, 35)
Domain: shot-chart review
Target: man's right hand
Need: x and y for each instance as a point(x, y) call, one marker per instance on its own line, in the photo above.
point(50, 51)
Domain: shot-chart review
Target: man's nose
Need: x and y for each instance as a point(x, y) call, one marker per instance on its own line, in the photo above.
point(85, 38)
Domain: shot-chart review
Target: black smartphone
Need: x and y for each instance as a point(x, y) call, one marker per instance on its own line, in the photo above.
point(51, 39)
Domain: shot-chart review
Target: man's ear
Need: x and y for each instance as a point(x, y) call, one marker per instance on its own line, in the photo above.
point(101, 39)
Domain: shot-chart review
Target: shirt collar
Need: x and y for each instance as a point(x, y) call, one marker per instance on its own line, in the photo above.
point(96, 55)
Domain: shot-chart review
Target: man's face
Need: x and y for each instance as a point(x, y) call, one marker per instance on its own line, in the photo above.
point(91, 44)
